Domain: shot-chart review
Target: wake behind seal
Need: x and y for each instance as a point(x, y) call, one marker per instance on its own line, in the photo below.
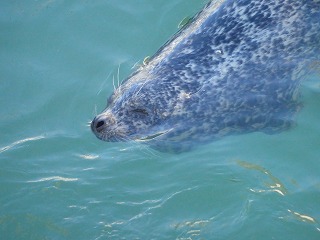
point(236, 68)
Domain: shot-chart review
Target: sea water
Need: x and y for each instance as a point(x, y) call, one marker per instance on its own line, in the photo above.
point(59, 61)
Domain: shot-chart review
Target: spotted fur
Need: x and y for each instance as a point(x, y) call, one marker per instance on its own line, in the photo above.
point(234, 69)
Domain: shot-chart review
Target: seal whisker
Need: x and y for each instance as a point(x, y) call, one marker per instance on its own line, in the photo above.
point(88, 123)
point(144, 148)
point(137, 93)
point(135, 65)
point(104, 82)
point(148, 151)
point(118, 74)
point(94, 111)
point(113, 83)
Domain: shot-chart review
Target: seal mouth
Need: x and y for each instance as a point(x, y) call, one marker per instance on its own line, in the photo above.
point(153, 136)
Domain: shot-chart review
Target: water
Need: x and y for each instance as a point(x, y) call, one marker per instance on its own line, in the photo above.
point(57, 61)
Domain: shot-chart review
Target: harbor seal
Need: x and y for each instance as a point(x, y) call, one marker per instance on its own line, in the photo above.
point(235, 68)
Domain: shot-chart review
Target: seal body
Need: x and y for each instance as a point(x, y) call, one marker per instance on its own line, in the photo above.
point(234, 69)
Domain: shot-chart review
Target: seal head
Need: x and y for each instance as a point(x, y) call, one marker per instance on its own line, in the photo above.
point(147, 112)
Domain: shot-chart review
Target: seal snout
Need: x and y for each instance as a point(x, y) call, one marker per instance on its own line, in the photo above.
point(101, 122)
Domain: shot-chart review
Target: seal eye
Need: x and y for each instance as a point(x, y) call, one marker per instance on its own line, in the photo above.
point(141, 111)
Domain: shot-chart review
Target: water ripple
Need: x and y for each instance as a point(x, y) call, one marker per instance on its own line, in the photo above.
point(161, 203)
point(19, 142)
point(54, 178)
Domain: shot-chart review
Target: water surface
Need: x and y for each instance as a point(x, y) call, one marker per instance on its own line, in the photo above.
point(57, 62)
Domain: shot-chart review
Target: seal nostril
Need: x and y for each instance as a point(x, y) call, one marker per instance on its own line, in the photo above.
point(100, 124)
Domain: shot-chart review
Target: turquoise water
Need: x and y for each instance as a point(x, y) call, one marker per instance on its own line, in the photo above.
point(57, 181)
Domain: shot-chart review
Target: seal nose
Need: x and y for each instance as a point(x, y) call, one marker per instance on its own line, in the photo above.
point(100, 122)
point(97, 124)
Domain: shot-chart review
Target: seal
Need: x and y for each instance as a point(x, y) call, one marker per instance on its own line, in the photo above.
point(235, 68)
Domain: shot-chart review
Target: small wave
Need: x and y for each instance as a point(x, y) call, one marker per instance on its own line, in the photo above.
point(159, 203)
point(88, 156)
point(54, 178)
point(302, 217)
point(12, 145)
